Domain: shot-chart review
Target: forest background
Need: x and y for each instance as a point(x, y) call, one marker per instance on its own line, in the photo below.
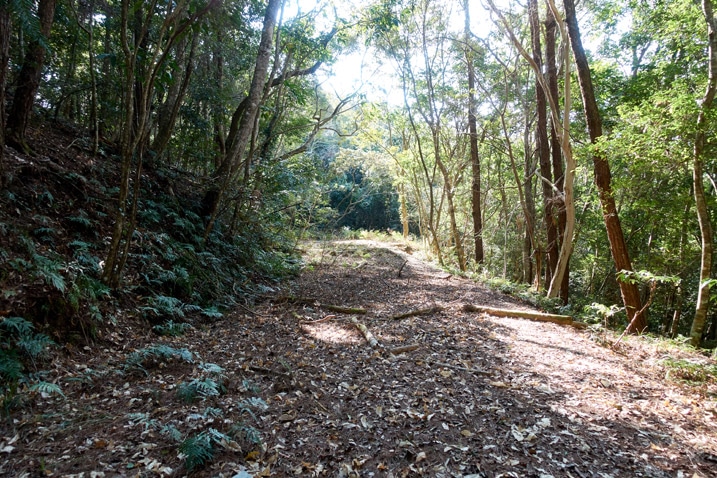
point(582, 178)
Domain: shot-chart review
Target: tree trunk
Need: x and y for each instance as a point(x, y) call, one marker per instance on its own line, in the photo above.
point(543, 146)
point(246, 112)
point(169, 110)
point(28, 79)
point(703, 214)
point(4, 59)
point(558, 205)
point(473, 139)
point(603, 178)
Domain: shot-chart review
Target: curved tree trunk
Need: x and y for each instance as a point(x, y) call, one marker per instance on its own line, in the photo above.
point(245, 115)
point(28, 80)
point(703, 214)
point(603, 178)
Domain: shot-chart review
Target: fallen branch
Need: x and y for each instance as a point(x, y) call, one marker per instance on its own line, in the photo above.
point(522, 314)
point(428, 311)
point(372, 342)
point(333, 308)
point(403, 349)
point(400, 269)
point(310, 322)
point(343, 310)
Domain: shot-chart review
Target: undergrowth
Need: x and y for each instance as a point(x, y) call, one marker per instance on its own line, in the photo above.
point(21, 348)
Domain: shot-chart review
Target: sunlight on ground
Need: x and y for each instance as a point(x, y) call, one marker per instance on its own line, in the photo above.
point(332, 333)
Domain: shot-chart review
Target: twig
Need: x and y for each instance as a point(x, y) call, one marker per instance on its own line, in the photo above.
point(310, 322)
point(400, 269)
point(428, 311)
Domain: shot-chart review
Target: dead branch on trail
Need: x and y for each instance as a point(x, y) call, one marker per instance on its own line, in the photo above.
point(310, 322)
point(372, 342)
point(333, 308)
point(343, 310)
point(403, 349)
point(400, 269)
point(522, 314)
point(428, 311)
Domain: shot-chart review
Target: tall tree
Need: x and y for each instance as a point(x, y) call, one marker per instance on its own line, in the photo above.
point(558, 204)
point(630, 295)
point(28, 80)
point(703, 214)
point(473, 139)
point(543, 145)
point(142, 65)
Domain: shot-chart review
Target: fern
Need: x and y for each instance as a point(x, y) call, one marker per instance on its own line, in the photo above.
point(47, 388)
point(162, 305)
point(172, 329)
point(172, 432)
point(197, 450)
point(16, 326)
point(200, 388)
point(212, 412)
point(141, 358)
point(211, 368)
point(212, 313)
point(34, 345)
point(10, 368)
point(245, 432)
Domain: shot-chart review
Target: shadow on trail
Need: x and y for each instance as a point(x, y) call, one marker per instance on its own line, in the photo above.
point(477, 397)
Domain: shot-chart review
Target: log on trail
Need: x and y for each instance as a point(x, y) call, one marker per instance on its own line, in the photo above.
point(343, 310)
point(428, 311)
point(373, 343)
point(333, 308)
point(524, 314)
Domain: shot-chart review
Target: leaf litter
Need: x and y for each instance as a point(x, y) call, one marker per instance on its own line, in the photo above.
point(292, 389)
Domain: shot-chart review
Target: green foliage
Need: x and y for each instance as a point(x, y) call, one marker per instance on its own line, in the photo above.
point(172, 329)
point(200, 388)
point(211, 386)
point(151, 356)
point(20, 345)
point(690, 372)
point(199, 449)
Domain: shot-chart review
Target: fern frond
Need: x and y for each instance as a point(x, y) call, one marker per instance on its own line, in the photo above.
point(197, 450)
point(47, 388)
point(211, 368)
point(17, 326)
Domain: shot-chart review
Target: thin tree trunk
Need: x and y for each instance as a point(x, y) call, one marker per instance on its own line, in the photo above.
point(543, 146)
point(169, 111)
point(28, 80)
point(473, 139)
point(4, 59)
point(603, 178)
point(558, 205)
point(703, 214)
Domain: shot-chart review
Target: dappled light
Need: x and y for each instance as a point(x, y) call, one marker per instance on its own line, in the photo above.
point(372, 238)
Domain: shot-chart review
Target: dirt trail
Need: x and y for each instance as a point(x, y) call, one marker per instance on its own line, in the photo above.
point(478, 397)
